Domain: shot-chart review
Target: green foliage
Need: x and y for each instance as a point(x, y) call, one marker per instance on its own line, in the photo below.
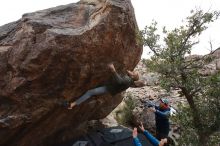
point(200, 120)
point(188, 132)
point(124, 116)
point(149, 37)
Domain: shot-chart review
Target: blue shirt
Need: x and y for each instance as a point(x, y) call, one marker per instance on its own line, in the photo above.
point(162, 120)
point(149, 136)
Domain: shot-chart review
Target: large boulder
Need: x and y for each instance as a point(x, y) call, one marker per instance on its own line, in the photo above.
point(57, 54)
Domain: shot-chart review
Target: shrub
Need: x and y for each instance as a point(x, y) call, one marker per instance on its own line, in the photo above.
point(124, 115)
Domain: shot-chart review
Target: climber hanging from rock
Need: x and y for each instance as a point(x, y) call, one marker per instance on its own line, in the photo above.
point(117, 84)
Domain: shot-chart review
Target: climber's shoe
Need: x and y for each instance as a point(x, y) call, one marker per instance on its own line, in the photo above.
point(65, 103)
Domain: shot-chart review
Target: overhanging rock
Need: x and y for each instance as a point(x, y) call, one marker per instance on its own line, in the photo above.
point(56, 54)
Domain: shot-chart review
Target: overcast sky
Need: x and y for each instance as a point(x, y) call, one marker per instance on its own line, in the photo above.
point(169, 13)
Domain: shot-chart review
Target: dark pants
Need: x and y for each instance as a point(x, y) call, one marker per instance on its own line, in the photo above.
point(161, 135)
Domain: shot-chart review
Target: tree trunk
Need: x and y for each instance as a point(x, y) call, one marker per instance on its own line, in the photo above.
point(203, 138)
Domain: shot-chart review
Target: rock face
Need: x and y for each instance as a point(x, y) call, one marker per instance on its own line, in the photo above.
point(56, 54)
point(212, 64)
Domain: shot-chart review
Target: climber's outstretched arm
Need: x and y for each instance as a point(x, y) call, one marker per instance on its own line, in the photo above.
point(117, 77)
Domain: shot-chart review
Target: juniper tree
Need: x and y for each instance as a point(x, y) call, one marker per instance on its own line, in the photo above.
point(202, 93)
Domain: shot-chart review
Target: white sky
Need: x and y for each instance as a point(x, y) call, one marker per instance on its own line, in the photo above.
point(169, 13)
